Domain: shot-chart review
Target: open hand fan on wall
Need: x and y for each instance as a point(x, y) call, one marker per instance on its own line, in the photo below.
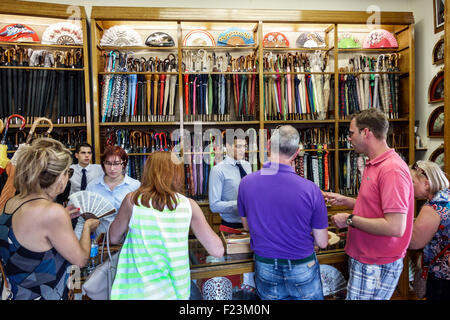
point(64, 33)
point(120, 36)
point(92, 205)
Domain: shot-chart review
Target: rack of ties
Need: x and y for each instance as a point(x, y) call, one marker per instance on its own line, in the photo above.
point(295, 88)
point(370, 82)
point(313, 165)
point(211, 95)
point(45, 91)
point(139, 144)
point(138, 97)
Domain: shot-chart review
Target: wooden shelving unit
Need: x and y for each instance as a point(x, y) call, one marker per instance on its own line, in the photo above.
point(39, 16)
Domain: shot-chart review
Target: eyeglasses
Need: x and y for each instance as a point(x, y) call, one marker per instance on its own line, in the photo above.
point(111, 164)
point(70, 172)
point(416, 167)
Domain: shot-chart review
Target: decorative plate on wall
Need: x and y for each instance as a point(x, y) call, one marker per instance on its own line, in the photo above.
point(198, 38)
point(436, 123)
point(438, 52)
point(438, 156)
point(436, 88)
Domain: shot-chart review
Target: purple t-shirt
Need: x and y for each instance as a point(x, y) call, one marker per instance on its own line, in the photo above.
point(281, 208)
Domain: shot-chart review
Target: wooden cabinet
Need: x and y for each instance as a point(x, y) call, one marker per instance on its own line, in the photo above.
point(307, 87)
point(45, 79)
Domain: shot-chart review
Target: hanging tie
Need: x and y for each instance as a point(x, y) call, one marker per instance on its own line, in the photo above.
point(241, 170)
point(83, 180)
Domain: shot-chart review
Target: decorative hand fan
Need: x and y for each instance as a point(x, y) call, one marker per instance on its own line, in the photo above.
point(159, 39)
point(121, 36)
point(235, 37)
point(310, 40)
point(64, 33)
point(275, 40)
point(92, 205)
point(347, 41)
point(18, 33)
point(217, 288)
point(198, 38)
point(380, 39)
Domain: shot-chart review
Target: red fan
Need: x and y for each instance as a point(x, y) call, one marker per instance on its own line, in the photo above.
point(18, 32)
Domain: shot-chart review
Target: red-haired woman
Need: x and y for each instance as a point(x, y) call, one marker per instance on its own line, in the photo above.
point(154, 260)
point(114, 185)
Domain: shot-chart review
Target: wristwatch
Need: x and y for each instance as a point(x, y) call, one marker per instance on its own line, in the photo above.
point(350, 220)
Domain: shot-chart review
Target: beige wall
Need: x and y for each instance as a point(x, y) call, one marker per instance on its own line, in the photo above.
point(424, 33)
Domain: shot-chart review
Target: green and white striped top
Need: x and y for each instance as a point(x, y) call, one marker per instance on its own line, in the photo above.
point(154, 260)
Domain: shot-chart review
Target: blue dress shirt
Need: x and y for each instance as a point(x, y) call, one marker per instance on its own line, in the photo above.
point(224, 181)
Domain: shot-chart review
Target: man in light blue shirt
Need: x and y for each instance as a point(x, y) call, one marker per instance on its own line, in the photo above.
point(224, 181)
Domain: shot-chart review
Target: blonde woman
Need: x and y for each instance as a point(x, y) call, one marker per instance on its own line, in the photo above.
point(38, 242)
point(432, 227)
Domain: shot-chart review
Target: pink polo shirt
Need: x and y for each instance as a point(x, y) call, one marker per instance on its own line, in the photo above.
point(386, 187)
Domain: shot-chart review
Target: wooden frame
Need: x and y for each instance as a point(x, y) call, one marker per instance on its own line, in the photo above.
point(436, 88)
point(439, 52)
point(435, 124)
point(438, 15)
point(438, 156)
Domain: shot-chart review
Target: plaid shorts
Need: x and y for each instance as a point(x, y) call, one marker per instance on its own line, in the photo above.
point(372, 281)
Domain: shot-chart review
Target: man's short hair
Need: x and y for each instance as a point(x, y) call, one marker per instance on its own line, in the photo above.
point(285, 140)
point(373, 119)
point(79, 146)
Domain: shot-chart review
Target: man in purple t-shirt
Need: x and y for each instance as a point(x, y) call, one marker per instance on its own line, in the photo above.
point(286, 216)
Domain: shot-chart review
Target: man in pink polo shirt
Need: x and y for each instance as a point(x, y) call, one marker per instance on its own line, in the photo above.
point(380, 226)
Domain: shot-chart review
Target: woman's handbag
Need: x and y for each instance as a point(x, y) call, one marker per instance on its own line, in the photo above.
point(98, 284)
point(421, 274)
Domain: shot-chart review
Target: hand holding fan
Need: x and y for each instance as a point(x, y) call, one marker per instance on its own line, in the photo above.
point(92, 205)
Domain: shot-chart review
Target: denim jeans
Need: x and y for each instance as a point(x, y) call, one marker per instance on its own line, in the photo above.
point(288, 282)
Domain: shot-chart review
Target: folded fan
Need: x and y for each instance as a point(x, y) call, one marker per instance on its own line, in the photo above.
point(92, 205)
